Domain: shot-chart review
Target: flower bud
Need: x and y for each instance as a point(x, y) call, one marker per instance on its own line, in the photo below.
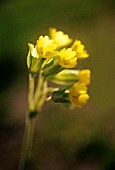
point(34, 62)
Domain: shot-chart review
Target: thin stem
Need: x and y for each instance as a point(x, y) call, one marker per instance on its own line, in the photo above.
point(31, 92)
point(43, 96)
point(35, 103)
point(29, 128)
point(52, 89)
point(38, 90)
point(27, 144)
point(48, 98)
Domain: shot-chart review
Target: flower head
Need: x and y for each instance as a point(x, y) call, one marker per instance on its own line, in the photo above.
point(52, 59)
point(79, 48)
point(67, 58)
point(84, 76)
point(45, 46)
point(78, 94)
point(59, 37)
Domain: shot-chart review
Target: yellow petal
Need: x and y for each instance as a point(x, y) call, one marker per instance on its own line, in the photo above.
point(59, 37)
point(84, 76)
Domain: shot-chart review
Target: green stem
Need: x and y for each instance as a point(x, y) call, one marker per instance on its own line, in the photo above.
point(52, 89)
point(38, 90)
point(29, 128)
point(43, 96)
point(27, 144)
point(31, 93)
point(35, 103)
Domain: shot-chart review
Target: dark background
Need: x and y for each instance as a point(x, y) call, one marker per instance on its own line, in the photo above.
point(80, 139)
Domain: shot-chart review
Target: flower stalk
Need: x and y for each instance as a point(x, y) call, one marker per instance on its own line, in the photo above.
point(27, 144)
point(51, 60)
point(34, 106)
point(31, 93)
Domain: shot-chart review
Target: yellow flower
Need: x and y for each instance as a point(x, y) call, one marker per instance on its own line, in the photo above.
point(84, 76)
point(67, 58)
point(78, 94)
point(45, 47)
point(59, 37)
point(82, 100)
point(79, 48)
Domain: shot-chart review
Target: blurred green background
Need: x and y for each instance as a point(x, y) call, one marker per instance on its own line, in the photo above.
point(80, 139)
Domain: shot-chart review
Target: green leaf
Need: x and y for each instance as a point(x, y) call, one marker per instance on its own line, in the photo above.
point(57, 97)
point(61, 96)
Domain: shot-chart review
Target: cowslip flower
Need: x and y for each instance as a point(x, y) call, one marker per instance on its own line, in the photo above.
point(84, 76)
point(68, 76)
point(45, 46)
point(67, 58)
point(78, 94)
point(59, 37)
point(79, 48)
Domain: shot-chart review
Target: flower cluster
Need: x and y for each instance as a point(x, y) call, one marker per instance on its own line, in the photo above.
point(54, 60)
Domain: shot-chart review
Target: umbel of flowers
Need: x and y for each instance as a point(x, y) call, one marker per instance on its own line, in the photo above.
point(53, 58)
